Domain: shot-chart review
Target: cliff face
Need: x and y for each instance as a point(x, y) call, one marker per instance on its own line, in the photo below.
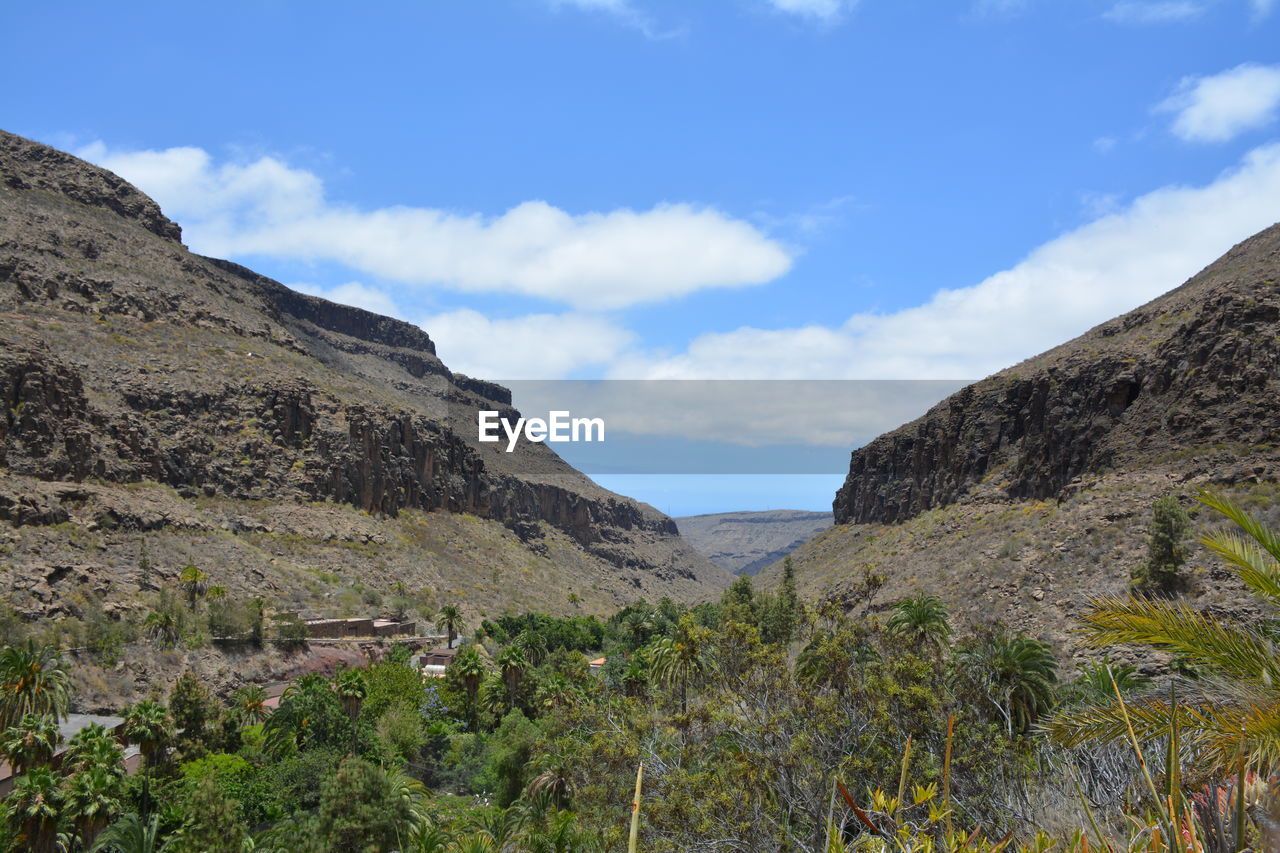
point(1190, 371)
point(128, 360)
point(1022, 496)
point(746, 542)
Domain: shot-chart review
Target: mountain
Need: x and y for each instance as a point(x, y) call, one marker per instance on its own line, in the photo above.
point(293, 448)
point(1022, 495)
point(746, 542)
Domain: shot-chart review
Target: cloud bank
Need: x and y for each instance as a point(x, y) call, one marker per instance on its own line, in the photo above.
point(1222, 106)
point(595, 261)
point(1060, 290)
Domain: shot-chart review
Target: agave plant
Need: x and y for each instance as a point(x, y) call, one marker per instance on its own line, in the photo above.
point(1234, 708)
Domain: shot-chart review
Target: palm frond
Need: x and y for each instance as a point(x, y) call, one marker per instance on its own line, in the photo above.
point(1174, 627)
point(1267, 537)
point(1253, 563)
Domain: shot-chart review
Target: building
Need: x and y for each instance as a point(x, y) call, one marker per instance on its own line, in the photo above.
point(68, 727)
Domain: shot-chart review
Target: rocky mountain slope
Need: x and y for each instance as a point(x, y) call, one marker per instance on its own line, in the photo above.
point(746, 542)
point(293, 448)
point(1025, 493)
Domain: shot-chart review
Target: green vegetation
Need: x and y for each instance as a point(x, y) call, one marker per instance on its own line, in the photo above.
point(1161, 572)
point(762, 725)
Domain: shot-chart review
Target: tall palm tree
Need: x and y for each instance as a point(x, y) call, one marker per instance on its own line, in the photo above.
point(1237, 702)
point(91, 798)
point(513, 664)
point(130, 834)
point(33, 806)
point(194, 583)
point(449, 620)
point(32, 742)
point(352, 689)
point(94, 746)
point(471, 670)
point(249, 704)
point(148, 725)
point(1016, 673)
point(678, 659)
point(32, 681)
point(921, 621)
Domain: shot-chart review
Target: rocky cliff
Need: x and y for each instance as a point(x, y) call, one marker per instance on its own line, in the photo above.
point(1189, 372)
point(746, 542)
point(149, 391)
point(1023, 495)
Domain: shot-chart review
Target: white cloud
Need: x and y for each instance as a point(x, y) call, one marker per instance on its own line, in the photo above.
point(354, 293)
point(536, 346)
point(1221, 106)
point(821, 10)
point(1059, 291)
point(596, 260)
point(1170, 11)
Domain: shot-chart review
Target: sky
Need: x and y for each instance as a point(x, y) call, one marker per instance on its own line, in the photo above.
point(738, 189)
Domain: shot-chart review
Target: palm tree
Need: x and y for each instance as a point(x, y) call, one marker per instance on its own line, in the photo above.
point(194, 583)
point(1016, 673)
point(554, 778)
point(1237, 702)
point(676, 660)
point(352, 690)
point(91, 798)
point(130, 834)
point(449, 620)
point(33, 806)
point(149, 725)
point(249, 704)
point(921, 621)
point(94, 747)
point(32, 681)
point(32, 742)
point(164, 626)
point(513, 664)
point(470, 669)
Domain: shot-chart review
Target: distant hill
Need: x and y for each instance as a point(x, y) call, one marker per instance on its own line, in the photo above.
point(746, 542)
point(1021, 496)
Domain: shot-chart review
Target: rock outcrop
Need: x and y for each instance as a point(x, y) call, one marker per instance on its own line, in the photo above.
point(1191, 371)
point(126, 359)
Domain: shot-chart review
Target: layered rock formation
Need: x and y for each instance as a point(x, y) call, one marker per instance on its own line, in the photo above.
point(746, 542)
point(129, 364)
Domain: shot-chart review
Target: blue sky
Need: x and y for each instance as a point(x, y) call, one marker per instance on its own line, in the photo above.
point(730, 189)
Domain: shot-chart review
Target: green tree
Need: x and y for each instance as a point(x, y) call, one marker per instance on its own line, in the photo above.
point(32, 681)
point(679, 659)
point(1016, 674)
point(449, 620)
point(352, 690)
point(130, 834)
point(90, 800)
point(513, 665)
point(921, 621)
point(194, 584)
point(32, 742)
point(148, 724)
point(362, 810)
point(212, 822)
point(192, 707)
point(249, 703)
point(1239, 704)
point(33, 808)
point(1167, 552)
point(469, 669)
point(94, 747)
